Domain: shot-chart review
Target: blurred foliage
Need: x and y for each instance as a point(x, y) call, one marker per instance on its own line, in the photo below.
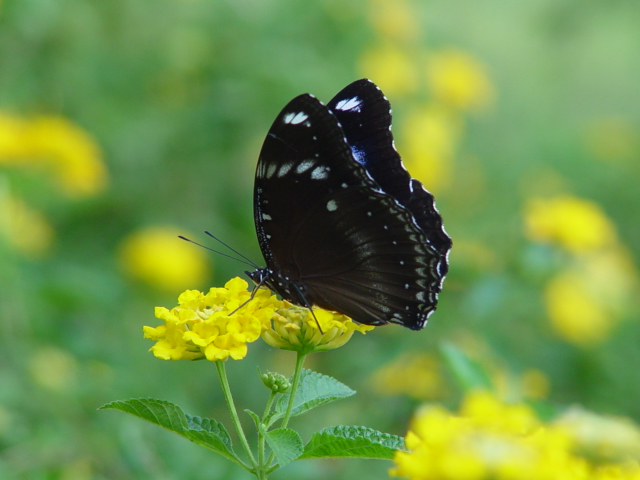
point(130, 116)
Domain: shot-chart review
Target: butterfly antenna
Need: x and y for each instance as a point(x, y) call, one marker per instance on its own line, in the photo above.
point(232, 249)
point(246, 261)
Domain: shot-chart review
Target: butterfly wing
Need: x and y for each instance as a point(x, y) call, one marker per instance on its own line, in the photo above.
point(365, 116)
point(329, 232)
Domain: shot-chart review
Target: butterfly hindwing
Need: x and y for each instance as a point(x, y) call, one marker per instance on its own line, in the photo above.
point(365, 116)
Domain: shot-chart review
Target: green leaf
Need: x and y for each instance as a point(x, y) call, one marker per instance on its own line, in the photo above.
point(350, 441)
point(314, 390)
point(286, 445)
point(206, 432)
point(469, 374)
point(256, 419)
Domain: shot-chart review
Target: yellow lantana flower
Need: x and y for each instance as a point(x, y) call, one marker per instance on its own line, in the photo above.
point(587, 300)
point(602, 437)
point(208, 325)
point(54, 142)
point(575, 224)
point(428, 145)
point(156, 256)
point(392, 67)
point(458, 80)
point(394, 20)
point(295, 328)
point(577, 314)
point(489, 440)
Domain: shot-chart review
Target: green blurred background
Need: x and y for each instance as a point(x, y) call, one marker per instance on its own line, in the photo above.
point(127, 122)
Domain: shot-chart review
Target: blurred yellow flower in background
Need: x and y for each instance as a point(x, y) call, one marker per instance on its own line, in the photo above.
point(394, 20)
point(24, 228)
point(492, 440)
point(590, 296)
point(57, 144)
point(459, 81)
point(156, 256)
point(208, 325)
point(392, 68)
point(605, 437)
point(54, 369)
point(535, 384)
point(417, 375)
point(507, 383)
point(14, 144)
point(428, 144)
point(487, 440)
point(576, 313)
point(575, 224)
point(613, 139)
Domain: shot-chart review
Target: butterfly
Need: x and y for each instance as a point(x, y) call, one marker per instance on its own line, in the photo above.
point(340, 222)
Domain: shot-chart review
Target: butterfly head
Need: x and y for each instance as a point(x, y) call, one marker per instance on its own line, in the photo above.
point(280, 284)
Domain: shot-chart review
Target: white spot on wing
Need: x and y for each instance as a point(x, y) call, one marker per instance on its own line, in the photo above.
point(320, 173)
point(266, 216)
point(349, 104)
point(271, 169)
point(304, 166)
point(295, 118)
point(332, 206)
point(284, 169)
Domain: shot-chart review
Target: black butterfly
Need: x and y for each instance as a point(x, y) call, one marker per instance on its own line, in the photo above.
point(340, 222)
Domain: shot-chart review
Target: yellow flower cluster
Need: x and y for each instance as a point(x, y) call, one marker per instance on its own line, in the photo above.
point(589, 297)
point(604, 437)
point(58, 144)
point(295, 328)
point(578, 225)
point(212, 325)
point(458, 80)
point(490, 440)
point(207, 325)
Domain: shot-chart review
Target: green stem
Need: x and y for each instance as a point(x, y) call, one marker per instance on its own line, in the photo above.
point(261, 437)
point(267, 408)
point(294, 387)
point(222, 373)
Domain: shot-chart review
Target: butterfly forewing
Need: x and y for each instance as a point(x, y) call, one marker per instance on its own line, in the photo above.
point(303, 159)
point(337, 216)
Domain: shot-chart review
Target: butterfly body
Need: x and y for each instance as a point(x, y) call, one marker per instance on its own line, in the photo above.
point(340, 222)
